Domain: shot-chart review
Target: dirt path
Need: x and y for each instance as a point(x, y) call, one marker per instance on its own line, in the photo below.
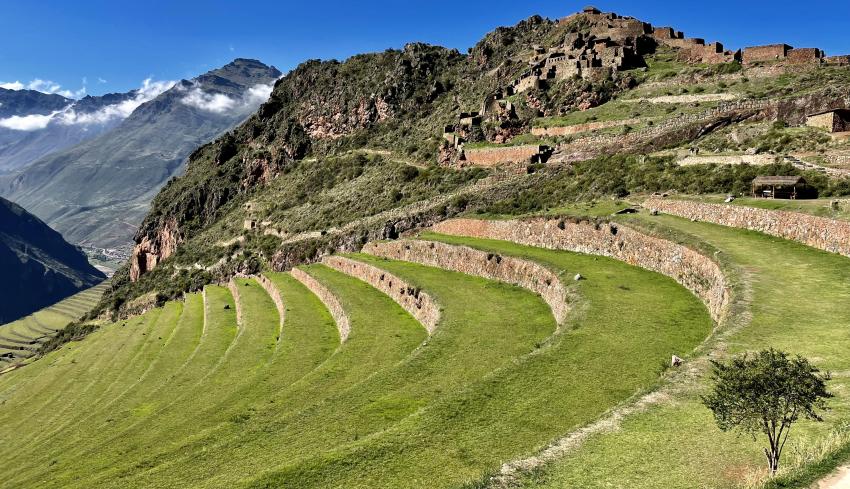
point(838, 480)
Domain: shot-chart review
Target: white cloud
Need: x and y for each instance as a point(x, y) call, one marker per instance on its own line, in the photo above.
point(259, 94)
point(45, 86)
point(150, 89)
point(101, 80)
point(31, 122)
point(219, 103)
point(15, 85)
point(68, 116)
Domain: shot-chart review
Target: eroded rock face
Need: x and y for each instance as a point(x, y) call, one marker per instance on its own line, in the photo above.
point(150, 250)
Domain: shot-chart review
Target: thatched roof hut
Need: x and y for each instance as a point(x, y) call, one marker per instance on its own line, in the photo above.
point(778, 186)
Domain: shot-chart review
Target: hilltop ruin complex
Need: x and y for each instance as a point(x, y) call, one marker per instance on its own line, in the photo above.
point(595, 46)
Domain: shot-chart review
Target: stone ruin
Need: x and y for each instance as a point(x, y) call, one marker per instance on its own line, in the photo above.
point(608, 43)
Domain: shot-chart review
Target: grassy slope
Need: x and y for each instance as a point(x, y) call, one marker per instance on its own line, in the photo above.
point(815, 207)
point(452, 359)
point(677, 444)
point(46, 321)
point(513, 410)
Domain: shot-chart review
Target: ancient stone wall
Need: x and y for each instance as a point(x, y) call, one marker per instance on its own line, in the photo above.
point(822, 121)
point(694, 271)
point(819, 232)
point(463, 259)
point(596, 143)
point(842, 60)
point(765, 53)
point(343, 323)
point(274, 293)
point(419, 304)
point(501, 155)
point(762, 159)
point(234, 291)
point(804, 55)
point(580, 128)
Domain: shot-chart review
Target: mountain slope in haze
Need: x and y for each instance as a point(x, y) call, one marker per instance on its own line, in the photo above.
point(96, 193)
point(35, 124)
point(39, 267)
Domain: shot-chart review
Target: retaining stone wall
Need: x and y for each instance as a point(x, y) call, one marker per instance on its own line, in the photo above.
point(343, 324)
point(762, 159)
point(463, 259)
point(419, 304)
point(274, 293)
point(818, 232)
point(602, 140)
point(234, 291)
point(579, 128)
point(696, 272)
point(498, 156)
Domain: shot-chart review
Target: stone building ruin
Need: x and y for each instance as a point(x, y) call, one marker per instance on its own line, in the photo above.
point(782, 52)
point(833, 120)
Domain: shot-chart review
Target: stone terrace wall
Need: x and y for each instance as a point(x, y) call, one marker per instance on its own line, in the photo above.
point(274, 293)
point(419, 304)
point(498, 156)
point(343, 324)
point(819, 232)
point(234, 291)
point(597, 141)
point(523, 273)
point(579, 128)
point(696, 272)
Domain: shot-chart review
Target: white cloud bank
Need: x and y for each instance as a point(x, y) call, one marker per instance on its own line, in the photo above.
point(45, 86)
point(219, 103)
point(32, 122)
point(69, 116)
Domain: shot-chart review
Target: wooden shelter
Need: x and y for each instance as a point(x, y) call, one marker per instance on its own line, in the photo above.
point(779, 187)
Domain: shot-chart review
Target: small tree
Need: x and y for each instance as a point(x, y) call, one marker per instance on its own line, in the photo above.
point(766, 393)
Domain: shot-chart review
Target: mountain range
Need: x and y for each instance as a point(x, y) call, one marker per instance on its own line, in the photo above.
point(39, 267)
point(109, 155)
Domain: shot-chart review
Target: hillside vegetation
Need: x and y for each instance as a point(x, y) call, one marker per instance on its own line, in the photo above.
point(301, 310)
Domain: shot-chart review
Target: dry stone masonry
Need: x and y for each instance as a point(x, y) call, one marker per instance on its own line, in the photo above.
point(234, 291)
point(274, 293)
point(419, 304)
point(696, 272)
point(343, 323)
point(818, 232)
point(463, 259)
point(499, 155)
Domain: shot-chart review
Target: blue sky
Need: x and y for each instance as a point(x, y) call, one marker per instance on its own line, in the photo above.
point(114, 45)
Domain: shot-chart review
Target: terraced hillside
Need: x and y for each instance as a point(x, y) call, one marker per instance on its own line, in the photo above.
point(19, 340)
point(250, 385)
point(789, 296)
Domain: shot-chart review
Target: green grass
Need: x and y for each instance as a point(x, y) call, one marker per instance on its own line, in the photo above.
point(815, 207)
point(798, 303)
point(514, 410)
point(38, 327)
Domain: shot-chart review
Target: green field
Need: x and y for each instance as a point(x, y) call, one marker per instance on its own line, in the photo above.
point(831, 208)
point(212, 392)
point(19, 340)
point(795, 298)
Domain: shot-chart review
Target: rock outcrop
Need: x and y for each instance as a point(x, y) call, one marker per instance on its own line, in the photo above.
point(152, 249)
